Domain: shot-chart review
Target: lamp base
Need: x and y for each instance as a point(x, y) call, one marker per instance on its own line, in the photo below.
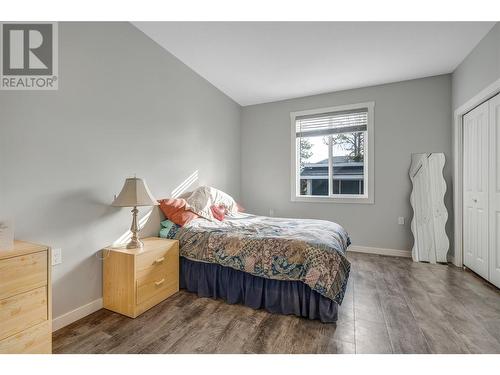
point(135, 243)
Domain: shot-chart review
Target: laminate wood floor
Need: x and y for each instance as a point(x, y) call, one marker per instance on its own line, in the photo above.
point(392, 305)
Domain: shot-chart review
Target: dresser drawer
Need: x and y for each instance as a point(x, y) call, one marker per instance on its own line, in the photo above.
point(152, 262)
point(22, 273)
point(34, 340)
point(22, 311)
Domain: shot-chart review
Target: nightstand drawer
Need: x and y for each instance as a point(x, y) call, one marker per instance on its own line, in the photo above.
point(153, 274)
point(149, 261)
point(22, 273)
point(163, 284)
point(22, 311)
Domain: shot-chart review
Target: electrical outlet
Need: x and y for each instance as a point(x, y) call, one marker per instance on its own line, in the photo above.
point(401, 220)
point(56, 256)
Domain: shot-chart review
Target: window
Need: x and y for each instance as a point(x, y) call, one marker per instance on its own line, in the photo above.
point(332, 154)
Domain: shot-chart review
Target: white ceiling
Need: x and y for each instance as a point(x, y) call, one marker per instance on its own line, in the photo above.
point(259, 62)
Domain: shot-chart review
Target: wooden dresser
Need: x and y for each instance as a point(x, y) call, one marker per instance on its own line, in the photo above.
point(134, 280)
point(25, 299)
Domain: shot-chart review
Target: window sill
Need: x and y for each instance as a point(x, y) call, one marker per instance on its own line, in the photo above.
point(350, 199)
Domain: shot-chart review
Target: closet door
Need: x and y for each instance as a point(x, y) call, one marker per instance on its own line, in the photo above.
point(476, 168)
point(494, 187)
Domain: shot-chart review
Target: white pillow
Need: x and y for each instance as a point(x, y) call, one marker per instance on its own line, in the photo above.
point(204, 197)
point(185, 195)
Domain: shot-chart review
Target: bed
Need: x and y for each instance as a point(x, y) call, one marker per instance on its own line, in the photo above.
point(285, 266)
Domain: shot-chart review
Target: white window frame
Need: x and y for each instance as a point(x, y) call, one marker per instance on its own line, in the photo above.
point(369, 162)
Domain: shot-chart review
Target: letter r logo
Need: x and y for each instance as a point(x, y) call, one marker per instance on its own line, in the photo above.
point(27, 49)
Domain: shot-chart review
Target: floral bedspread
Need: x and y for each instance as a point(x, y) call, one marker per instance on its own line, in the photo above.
point(311, 251)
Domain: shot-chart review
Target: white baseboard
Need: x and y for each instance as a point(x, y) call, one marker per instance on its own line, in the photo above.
point(380, 251)
point(78, 313)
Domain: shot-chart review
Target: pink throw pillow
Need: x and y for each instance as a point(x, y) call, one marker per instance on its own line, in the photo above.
point(218, 211)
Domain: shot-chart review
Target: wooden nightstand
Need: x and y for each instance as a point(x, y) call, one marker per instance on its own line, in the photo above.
point(134, 280)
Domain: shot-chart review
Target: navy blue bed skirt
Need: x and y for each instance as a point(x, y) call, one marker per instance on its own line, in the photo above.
point(275, 296)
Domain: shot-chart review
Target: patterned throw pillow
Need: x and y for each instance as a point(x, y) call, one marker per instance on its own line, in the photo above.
point(169, 229)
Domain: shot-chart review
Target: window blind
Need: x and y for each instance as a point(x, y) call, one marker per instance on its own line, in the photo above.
point(332, 123)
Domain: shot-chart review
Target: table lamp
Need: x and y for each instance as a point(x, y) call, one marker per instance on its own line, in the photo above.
point(134, 193)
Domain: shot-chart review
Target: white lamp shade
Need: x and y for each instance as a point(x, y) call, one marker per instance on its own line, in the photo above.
point(135, 192)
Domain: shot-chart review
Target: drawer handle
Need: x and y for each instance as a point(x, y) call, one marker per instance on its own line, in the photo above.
point(159, 260)
point(159, 282)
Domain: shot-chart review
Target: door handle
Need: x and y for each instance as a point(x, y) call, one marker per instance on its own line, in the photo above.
point(474, 200)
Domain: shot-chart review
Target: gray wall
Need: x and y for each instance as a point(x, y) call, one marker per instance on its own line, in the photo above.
point(479, 69)
point(124, 106)
point(410, 116)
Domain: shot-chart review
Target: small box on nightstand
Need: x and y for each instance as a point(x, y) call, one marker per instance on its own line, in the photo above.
point(134, 280)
